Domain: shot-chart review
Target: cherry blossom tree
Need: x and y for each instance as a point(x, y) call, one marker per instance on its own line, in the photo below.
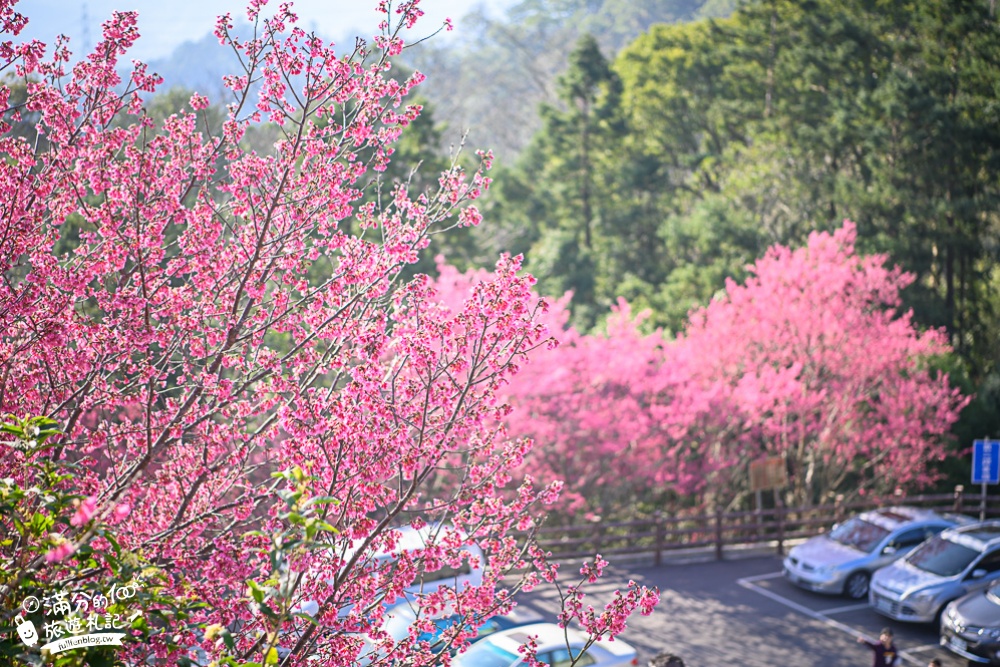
point(254, 401)
point(813, 361)
point(592, 395)
point(809, 360)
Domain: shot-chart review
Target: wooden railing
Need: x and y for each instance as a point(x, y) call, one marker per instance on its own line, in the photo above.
point(714, 532)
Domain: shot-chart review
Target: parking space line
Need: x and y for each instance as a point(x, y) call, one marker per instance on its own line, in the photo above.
point(761, 577)
point(908, 656)
point(748, 583)
point(918, 649)
point(842, 610)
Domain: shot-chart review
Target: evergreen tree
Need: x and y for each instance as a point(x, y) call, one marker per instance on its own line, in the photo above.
point(566, 195)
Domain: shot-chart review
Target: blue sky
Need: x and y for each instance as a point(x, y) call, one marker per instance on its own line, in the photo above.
point(165, 24)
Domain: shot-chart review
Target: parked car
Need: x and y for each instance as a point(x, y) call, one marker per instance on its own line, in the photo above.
point(842, 561)
point(517, 617)
point(553, 648)
point(957, 562)
point(400, 617)
point(412, 541)
point(970, 626)
point(409, 540)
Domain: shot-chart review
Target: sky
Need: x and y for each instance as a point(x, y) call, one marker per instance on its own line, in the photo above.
point(166, 24)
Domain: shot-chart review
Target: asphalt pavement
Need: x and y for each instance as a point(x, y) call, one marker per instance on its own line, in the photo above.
point(743, 612)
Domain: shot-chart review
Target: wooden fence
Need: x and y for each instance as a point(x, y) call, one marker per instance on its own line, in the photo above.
point(717, 531)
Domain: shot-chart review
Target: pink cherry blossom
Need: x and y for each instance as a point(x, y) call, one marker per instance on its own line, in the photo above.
point(200, 315)
point(61, 551)
point(84, 512)
point(809, 360)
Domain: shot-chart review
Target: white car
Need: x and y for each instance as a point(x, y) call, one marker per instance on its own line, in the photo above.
point(843, 560)
point(413, 541)
point(554, 646)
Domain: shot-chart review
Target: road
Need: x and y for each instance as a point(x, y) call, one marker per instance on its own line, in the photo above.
point(742, 612)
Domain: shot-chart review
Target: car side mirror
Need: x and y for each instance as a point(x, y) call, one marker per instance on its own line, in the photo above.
point(979, 573)
point(889, 550)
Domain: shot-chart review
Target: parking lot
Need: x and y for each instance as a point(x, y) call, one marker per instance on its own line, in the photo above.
point(743, 612)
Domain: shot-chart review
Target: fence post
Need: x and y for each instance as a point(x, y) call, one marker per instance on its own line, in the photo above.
point(758, 517)
point(959, 502)
point(838, 512)
point(660, 537)
point(779, 511)
point(718, 533)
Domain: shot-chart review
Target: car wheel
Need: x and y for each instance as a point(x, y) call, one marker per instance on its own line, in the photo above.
point(856, 586)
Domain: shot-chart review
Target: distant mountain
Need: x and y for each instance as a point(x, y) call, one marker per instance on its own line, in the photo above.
point(491, 81)
point(199, 66)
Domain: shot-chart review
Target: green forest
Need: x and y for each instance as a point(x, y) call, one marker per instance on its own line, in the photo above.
point(666, 168)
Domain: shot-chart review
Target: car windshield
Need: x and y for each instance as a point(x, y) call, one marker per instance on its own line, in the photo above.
point(859, 534)
point(487, 654)
point(941, 557)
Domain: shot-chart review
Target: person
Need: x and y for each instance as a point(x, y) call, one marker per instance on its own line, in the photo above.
point(666, 660)
point(884, 649)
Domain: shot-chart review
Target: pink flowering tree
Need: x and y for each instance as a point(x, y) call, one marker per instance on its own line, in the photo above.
point(588, 402)
point(613, 413)
point(811, 360)
point(254, 401)
point(617, 417)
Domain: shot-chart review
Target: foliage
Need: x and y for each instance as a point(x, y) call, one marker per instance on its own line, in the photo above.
point(40, 505)
point(519, 55)
point(232, 349)
point(735, 134)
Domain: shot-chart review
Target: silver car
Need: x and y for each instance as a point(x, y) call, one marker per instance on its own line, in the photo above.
point(955, 563)
point(842, 561)
point(970, 626)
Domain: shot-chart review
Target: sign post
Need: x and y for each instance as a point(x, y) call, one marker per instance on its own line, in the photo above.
point(985, 468)
point(769, 473)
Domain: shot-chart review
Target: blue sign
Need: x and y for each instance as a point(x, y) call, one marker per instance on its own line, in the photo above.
point(986, 461)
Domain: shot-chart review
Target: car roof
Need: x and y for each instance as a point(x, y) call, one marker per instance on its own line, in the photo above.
point(892, 518)
point(979, 536)
point(403, 610)
point(550, 636)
